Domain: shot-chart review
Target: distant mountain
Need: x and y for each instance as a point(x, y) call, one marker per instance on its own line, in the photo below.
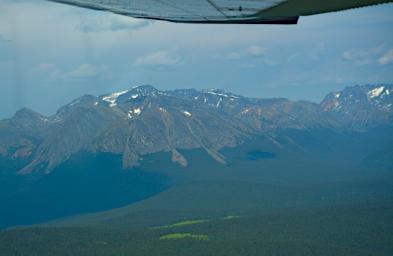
point(20, 135)
point(144, 120)
point(360, 107)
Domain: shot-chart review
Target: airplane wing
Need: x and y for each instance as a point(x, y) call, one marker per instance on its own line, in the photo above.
point(222, 11)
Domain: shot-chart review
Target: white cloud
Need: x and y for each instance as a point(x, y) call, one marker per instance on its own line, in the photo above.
point(84, 71)
point(49, 70)
point(250, 57)
point(387, 58)
point(362, 57)
point(88, 71)
point(111, 22)
point(293, 57)
point(44, 67)
point(233, 56)
point(255, 51)
point(247, 65)
point(161, 60)
point(318, 51)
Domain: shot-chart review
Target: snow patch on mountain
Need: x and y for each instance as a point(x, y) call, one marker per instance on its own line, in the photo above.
point(219, 103)
point(244, 112)
point(186, 113)
point(112, 98)
point(163, 110)
point(134, 112)
point(137, 111)
point(220, 93)
point(376, 92)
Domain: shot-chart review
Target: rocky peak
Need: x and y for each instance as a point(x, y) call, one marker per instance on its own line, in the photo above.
point(220, 93)
point(137, 93)
point(28, 118)
point(361, 106)
point(365, 96)
point(145, 90)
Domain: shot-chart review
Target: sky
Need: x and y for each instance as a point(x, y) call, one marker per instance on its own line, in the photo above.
point(51, 54)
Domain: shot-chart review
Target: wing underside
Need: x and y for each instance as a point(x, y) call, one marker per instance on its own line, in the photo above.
point(222, 11)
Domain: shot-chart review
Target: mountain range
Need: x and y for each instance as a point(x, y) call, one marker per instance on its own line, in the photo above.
point(143, 120)
point(200, 172)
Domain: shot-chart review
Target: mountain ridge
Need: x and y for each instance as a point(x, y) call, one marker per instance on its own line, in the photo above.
point(145, 120)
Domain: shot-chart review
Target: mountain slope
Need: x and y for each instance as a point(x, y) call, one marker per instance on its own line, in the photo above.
point(360, 107)
point(144, 120)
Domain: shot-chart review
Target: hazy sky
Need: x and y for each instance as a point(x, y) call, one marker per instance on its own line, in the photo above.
point(52, 53)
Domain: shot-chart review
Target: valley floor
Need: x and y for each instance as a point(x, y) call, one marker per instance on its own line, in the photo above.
point(259, 203)
point(343, 229)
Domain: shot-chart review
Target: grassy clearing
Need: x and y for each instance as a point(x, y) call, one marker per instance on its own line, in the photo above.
point(194, 222)
point(231, 217)
point(183, 223)
point(177, 236)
